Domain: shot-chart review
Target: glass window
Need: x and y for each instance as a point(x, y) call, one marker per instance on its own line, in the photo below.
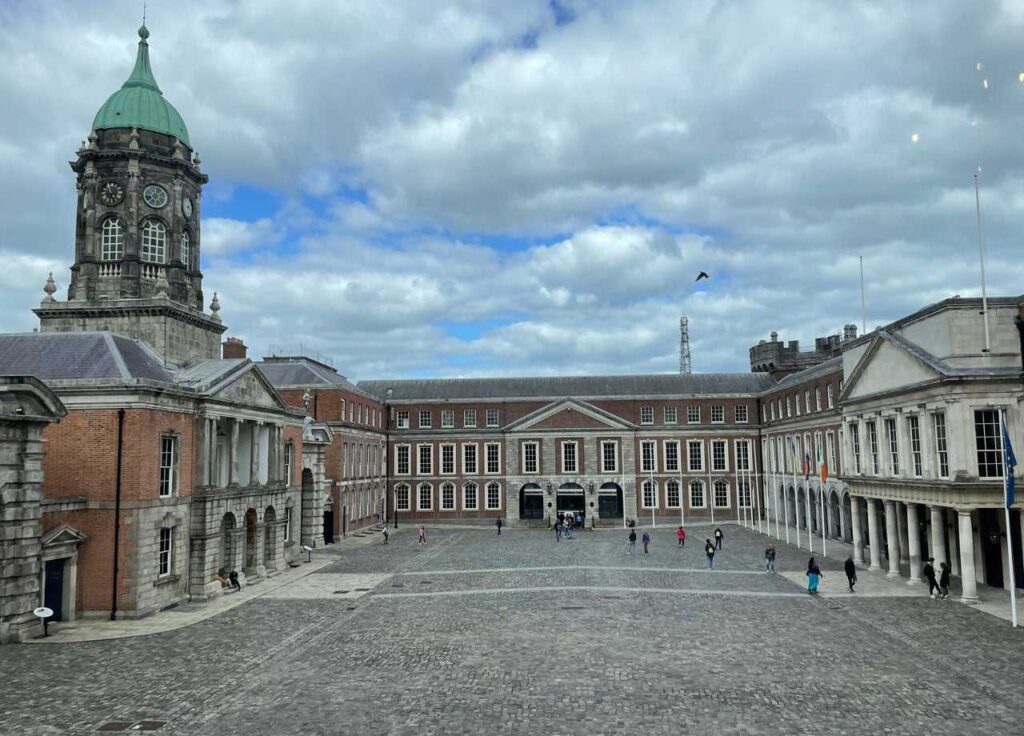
point(569, 457)
point(743, 455)
point(470, 502)
point(817, 399)
point(789, 407)
point(807, 401)
point(873, 446)
point(493, 451)
point(671, 415)
point(697, 494)
point(829, 397)
point(186, 250)
point(693, 415)
point(894, 450)
point(402, 418)
point(672, 495)
point(672, 456)
point(695, 452)
point(492, 417)
point(166, 551)
point(718, 456)
point(914, 427)
point(469, 418)
point(288, 522)
point(447, 459)
point(401, 459)
point(941, 450)
point(448, 497)
point(797, 402)
point(989, 443)
point(289, 461)
point(721, 494)
point(743, 488)
point(830, 440)
point(646, 415)
point(717, 414)
point(168, 465)
point(742, 415)
point(447, 418)
point(650, 494)
point(469, 459)
point(529, 457)
point(493, 497)
point(401, 498)
point(425, 419)
point(855, 442)
point(426, 460)
point(154, 242)
point(647, 457)
point(609, 457)
point(425, 497)
point(112, 240)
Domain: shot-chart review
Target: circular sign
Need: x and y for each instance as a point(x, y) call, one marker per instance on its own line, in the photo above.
point(43, 612)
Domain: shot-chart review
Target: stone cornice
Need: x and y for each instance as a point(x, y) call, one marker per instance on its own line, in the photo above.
point(129, 308)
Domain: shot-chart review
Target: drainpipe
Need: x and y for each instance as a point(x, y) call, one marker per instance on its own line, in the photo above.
point(117, 511)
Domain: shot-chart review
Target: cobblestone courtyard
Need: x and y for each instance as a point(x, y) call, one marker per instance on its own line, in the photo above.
point(474, 633)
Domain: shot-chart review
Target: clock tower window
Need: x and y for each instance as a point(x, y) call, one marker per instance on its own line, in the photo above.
point(186, 252)
point(112, 240)
point(154, 242)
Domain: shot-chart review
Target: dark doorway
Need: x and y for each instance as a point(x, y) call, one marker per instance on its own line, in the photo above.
point(991, 546)
point(609, 502)
point(570, 499)
point(329, 526)
point(531, 502)
point(53, 590)
point(251, 561)
point(1017, 551)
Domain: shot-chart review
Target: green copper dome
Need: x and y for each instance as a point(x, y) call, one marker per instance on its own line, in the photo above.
point(140, 102)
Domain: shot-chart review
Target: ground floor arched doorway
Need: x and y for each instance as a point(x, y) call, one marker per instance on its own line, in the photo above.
point(328, 520)
point(570, 499)
point(609, 501)
point(531, 501)
point(251, 560)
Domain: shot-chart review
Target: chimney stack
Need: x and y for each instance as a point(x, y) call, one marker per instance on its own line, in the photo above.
point(234, 348)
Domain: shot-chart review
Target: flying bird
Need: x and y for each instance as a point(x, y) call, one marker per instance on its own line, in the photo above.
point(702, 275)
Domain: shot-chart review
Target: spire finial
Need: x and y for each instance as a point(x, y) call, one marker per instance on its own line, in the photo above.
point(49, 289)
point(215, 307)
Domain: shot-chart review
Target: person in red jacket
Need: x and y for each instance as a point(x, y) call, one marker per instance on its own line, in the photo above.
point(681, 536)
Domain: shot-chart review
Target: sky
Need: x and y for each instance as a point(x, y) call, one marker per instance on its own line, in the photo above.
point(473, 188)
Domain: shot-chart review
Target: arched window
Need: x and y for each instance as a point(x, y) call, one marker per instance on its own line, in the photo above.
point(112, 240)
point(448, 497)
point(697, 494)
point(186, 249)
point(470, 501)
point(493, 497)
point(672, 497)
point(721, 494)
point(425, 497)
point(650, 495)
point(154, 242)
point(402, 497)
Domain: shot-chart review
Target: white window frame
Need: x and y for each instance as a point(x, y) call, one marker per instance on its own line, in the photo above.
point(646, 415)
point(492, 418)
point(487, 496)
point(466, 470)
point(487, 458)
point(914, 435)
point(165, 552)
point(615, 456)
point(476, 496)
point(698, 483)
point(408, 459)
point(536, 457)
point(679, 491)
point(575, 457)
point(288, 519)
point(112, 239)
point(689, 457)
point(817, 398)
point(419, 496)
point(644, 486)
point(748, 447)
point(746, 413)
point(153, 242)
point(693, 415)
point(408, 497)
point(665, 459)
point(724, 444)
point(670, 415)
point(426, 419)
point(829, 398)
point(447, 485)
point(718, 410)
point(419, 459)
point(447, 419)
point(401, 417)
point(941, 443)
point(170, 465)
point(469, 418)
point(728, 493)
point(651, 467)
point(450, 448)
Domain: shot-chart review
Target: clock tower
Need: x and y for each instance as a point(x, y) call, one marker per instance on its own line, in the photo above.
point(137, 233)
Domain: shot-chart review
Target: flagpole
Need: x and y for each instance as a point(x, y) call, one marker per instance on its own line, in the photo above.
point(796, 501)
point(711, 486)
point(736, 484)
point(775, 464)
point(863, 311)
point(807, 498)
point(752, 475)
point(981, 256)
point(1007, 502)
point(821, 502)
point(682, 489)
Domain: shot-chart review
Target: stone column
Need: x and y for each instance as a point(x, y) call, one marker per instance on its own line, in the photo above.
point(892, 539)
point(254, 456)
point(968, 578)
point(202, 452)
point(233, 453)
point(938, 539)
point(858, 541)
point(901, 526)
point(212, 454)
point(874, 541)
point(914, 540)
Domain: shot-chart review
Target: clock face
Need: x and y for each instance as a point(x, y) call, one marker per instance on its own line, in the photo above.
point(111, 193)
point(155, 196)
point(186, 207)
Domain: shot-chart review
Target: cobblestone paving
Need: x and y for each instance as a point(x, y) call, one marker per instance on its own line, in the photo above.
point(495, 640)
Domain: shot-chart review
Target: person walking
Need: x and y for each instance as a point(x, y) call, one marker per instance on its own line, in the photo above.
point(718, 538)
point(385, 532)
point(423, 535)
point(944, 579)
point(929, 575)
point(646, 539)
point(681, 536)
point(558, 530)
point(851, 572)
point(632, 542)
point(813, 576)
point(497, 523)
point(769, 559)
point(709, 550)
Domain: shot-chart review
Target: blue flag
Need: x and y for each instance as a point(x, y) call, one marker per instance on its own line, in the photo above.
point(1010, 463)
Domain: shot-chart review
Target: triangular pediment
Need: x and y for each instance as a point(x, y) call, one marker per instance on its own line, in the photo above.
point(63, 534)
point(248, 387)
point(569, 414)
point(890, 364)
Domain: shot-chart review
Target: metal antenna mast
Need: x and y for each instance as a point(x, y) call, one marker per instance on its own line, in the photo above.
point(684, 345)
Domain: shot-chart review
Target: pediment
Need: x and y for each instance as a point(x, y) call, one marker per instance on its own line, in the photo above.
point(569, 414)
point(63, 534)
point(888, 365)
point(248, 388)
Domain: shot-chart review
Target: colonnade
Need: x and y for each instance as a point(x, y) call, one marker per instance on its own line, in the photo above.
point(262, 445)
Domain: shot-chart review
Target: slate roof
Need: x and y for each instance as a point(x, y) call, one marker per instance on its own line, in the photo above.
point(944, 368)
point(302, 372)
point(669, 384)
point(80, 356)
